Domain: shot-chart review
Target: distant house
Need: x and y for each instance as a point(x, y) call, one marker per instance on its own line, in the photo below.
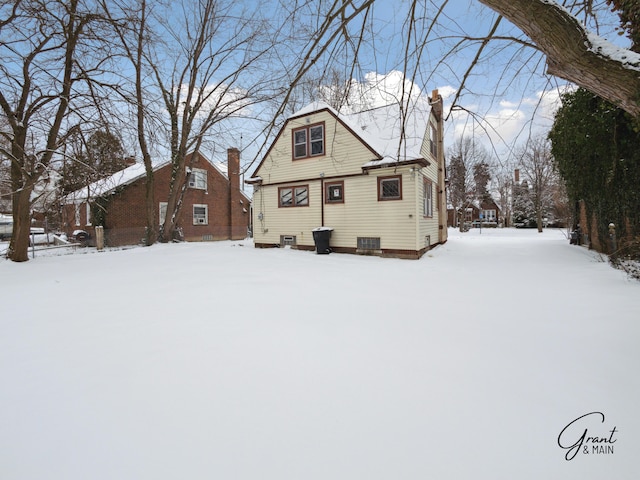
point(377, 181)
point(485, 211)
point(214, 207)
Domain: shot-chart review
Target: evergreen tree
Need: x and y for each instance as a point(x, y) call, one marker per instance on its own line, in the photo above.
point(97, 157)
point(595, 145)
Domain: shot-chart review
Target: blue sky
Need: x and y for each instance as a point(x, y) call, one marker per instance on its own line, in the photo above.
point(507, 92)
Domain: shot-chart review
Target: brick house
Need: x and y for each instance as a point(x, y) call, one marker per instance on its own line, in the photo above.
point(214, 206)
point(488, 208)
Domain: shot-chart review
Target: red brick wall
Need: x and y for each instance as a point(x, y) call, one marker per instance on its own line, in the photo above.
point(238, 205)
point(125, 219)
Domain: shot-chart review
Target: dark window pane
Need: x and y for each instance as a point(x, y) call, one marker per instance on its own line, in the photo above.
point(317, 140)
point(316, 133)
point(301, 150)
point(317, 148)
point(335, 193)
point(390, 188)
point(300, 137)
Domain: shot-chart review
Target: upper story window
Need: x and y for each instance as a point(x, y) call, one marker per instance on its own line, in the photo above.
point(308, 141)
point(433, 140)
point(390, 188)
point(198, 179)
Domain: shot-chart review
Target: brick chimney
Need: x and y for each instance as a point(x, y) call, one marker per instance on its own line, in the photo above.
point(238, 209)
point(516, 175)
point(436, 104)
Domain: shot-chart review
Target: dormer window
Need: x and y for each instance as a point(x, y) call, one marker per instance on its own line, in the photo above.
point(308, 141)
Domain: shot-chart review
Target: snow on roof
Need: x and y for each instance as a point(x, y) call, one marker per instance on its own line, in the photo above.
point(383, 128)
point(127, 176)
point(107, 185)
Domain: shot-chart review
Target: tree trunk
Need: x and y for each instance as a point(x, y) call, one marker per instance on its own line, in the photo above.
point(19, 245)
point(571, 53)
point(151, 234)
point(539, 218)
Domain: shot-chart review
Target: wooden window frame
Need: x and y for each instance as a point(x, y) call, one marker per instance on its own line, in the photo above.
point(308, 142)
point(327, 192)
point(381, 180)
point(293, 188)
point(427, 200)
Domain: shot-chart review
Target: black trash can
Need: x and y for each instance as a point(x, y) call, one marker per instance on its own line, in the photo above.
point(321, 237)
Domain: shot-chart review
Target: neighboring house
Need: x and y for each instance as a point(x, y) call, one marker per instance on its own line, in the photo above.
point(471, 214)
point(353, 174)
point(214, 207)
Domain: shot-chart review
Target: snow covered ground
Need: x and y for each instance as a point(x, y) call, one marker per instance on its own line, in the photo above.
point(221, 361)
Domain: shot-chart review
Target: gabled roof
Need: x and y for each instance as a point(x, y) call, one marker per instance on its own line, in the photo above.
point(126, 177)
point(381, 129)
point(109, 184)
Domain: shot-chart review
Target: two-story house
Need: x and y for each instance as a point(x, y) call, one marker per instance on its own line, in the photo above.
point(376, 178)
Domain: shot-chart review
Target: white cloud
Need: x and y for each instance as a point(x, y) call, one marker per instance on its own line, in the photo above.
point(377, 90)
point(447, 91)
point(227, 100)
point(509, 123)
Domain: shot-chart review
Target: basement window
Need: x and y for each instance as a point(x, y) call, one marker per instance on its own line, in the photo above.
point(368, 243)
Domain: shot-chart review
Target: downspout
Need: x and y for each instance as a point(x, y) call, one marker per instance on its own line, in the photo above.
point(322, 199)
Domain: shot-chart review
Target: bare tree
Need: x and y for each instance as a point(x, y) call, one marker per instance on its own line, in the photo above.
point(48, 50)
point(503, 186)
point(537, 168)
point(134, 38)
point(468, 176)
point(575, 54)
point(206, 63)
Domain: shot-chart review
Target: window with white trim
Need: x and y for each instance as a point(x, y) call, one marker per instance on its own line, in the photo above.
point(489, 215)
point(198, 179)
point(77, 214)
point(293, 196)
point(162, 212)
point(200, 214)
point(88, 213)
